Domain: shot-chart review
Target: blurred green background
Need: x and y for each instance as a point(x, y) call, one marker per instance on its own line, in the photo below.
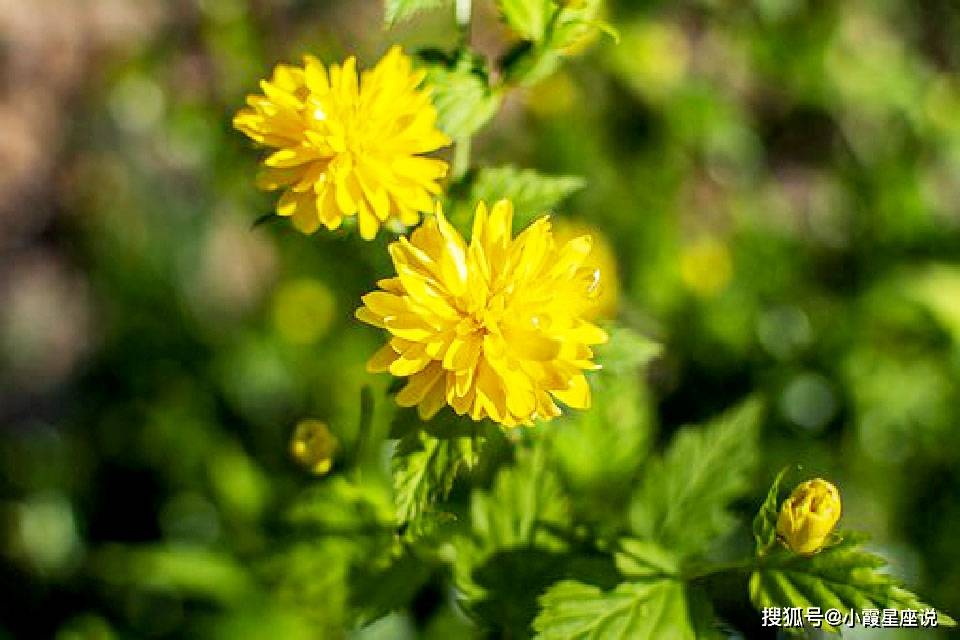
point(779, 181)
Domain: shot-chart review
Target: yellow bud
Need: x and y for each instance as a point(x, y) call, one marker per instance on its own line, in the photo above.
point(808, 516)
point(313, 446)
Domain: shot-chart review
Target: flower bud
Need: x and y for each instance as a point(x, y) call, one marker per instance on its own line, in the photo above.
point(313, 446)
point(808, 516)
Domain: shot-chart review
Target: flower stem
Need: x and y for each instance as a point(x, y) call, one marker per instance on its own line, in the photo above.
point(461, 152)
point(464, 11)
point(747, 564)
point(461, 158)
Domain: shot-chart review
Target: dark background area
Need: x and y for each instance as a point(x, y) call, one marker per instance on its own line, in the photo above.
point(778, 181)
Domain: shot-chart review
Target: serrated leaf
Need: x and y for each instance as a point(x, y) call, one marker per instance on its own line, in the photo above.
point(528, 18)
point(843, 577)
point(765, 523)
point(340, 507)
point(645, 559)
point(516, 548)
point(576, 26)
point(626, 351)
point(683, 497)
point(377, 590)
point(643, 610)
point(310, 577)
point(550, 32)
point(462, 96)
point(600, 451)
point(532, 193)
point(525, 498)
point(396, 11)
point(424, 468)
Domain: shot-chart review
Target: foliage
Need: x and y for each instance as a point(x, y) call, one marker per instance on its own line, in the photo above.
point(425, 467)
point(842, 577)
point(531, 193)
point(777, 184)
point(396, 11)
point(462, 95)
point(683, 499)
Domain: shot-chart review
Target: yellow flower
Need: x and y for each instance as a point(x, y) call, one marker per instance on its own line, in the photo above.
point(347, 146)
point(602, 259)
point(808, 516)
point(313, 446)
point(494, 328)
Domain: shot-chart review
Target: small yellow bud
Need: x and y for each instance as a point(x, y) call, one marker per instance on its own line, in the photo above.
point(808, 516)
point(313, 446)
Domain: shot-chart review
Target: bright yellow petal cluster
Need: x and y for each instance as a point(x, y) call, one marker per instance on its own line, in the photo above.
point(494, 328)
point(601, 258)
point(347, 145)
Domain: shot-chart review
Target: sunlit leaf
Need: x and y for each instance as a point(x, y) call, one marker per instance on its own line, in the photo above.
point(600, 451)
point(462, 95)
point(682, 501)
point(396, 11)
point(765, 523)
point(424, 469)
point(516, 513)
point(626, 351)
point(528, 18)
point(532, 193)
point(843, 577)
point(649, 609)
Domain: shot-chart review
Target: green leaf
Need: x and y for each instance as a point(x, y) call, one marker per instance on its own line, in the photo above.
point(518, 547)
point(311, 577)
point(600, 451)
point(516, 513)
point(645, 559)
point(765, 524)
point(187, 571)
point(396, 11)
point(376, 590)
point(577, 25)
point(550, 33)
point(626, 351)
point(652, 609)
point(525, 497)
point(424, 468)
point(532, 193)
point(462, 96)
point(683, 497)
point(842, 577)
point(340, 507)
point(528, 18)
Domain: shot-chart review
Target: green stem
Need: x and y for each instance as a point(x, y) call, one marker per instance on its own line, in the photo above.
point(463, 10)
point(464, 14)
point(461, 158)
point(363, 431)
point(738, 566)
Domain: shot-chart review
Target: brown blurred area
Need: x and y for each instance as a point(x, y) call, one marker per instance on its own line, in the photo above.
point(50, 50)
